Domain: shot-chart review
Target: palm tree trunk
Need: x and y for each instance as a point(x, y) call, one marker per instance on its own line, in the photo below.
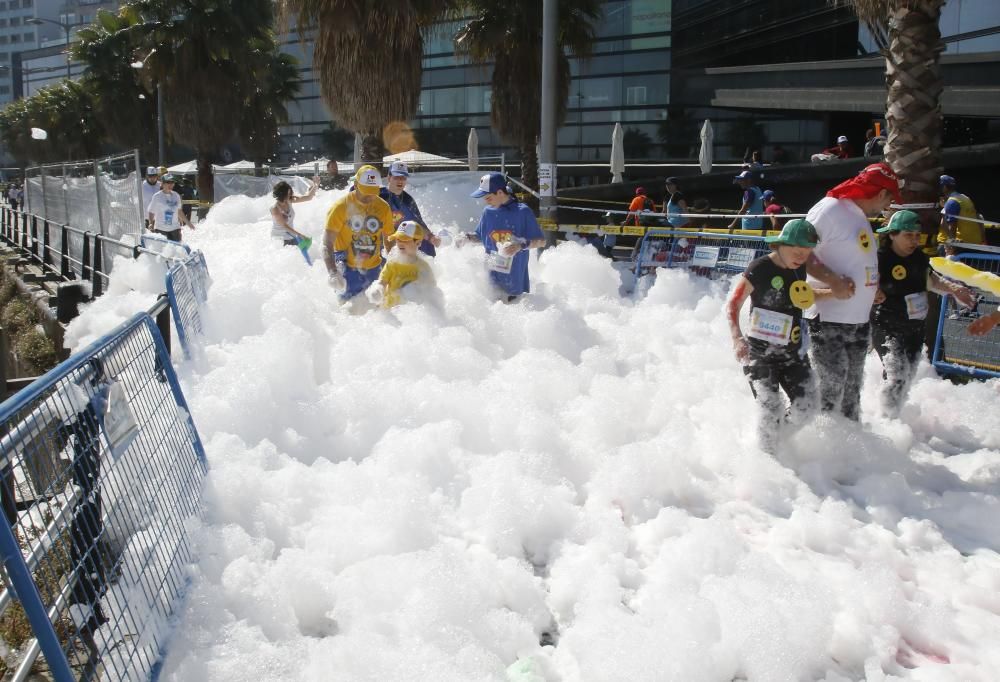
point(913, 106)
point(205, 184)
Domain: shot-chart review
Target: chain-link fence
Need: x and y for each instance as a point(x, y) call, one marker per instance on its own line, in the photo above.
point(100, 196)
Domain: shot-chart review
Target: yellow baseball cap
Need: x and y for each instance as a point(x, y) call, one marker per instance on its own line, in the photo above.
point(367, 180)
point(409, 231)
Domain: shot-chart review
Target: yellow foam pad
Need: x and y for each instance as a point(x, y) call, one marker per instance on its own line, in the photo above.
point(968, 275)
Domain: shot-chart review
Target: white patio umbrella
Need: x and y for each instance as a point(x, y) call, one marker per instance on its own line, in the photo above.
point(472, 146)
point(357, 149)
point(617, 153)
point(705, 155)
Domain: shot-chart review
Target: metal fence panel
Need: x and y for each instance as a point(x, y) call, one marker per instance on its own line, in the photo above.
point(188, 282)
point(102, 468)
point(955, 350)
point(710, 254)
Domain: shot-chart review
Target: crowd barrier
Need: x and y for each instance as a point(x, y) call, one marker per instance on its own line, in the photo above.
point(711, 253)
point(188, 282)
point(957, 352)
point(102, 469)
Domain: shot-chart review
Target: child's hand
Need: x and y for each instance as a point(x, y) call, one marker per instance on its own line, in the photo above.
point(510, 249)
point(741, 349)
point(984, 324)
point(376, 293)
point(842, 287)
point(964, 296)
point(338, 282)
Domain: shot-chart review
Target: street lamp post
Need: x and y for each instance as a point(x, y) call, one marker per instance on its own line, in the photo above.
point(159, 109)
point(38, 21)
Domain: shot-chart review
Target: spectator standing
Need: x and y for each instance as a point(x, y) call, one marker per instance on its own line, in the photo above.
point(752, 202)
point(955, 226)
point(873, 144)
point(675, 204)
point(150, 186)
point(164, 212)
point(846, 259)
point(774, 209)
point(12, 196)
point(404, 206)
point(640, 202)
point(507, 230)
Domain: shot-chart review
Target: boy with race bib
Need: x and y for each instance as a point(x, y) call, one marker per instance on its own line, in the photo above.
point(901, 305)
point(773, 351)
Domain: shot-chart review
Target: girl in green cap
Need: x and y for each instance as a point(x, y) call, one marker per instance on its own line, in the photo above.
point(900, 311)
point(773, 350)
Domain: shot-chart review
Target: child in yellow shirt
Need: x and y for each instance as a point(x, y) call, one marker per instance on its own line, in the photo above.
point(403, 266)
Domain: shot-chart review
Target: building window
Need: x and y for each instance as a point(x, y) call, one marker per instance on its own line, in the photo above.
point(3, 23)
point(4, 89)
point(3, 40)
point(27, 3)
point(15, 38)
point(635, 95)
point(15, 21)
point(29, 37)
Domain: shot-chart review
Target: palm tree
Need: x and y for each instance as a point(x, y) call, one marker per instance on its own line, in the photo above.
point(265, 108)
point(203, 53)
point(65, 111)
point(122, 101)
point(509, 34)
point(368, 56)
point(913, 76)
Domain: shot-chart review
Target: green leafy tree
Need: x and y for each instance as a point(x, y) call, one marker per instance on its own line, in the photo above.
point(266, 104)
point(911, 40)
point(65, 111)
point(368, 56)
point(124, 102)
point(509, 34)
point(337, 142)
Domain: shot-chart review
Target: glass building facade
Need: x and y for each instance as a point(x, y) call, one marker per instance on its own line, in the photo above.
point(627, 80)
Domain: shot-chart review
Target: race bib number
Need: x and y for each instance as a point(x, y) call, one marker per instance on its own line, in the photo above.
point(916, 305)
point(168, 217)
point(497, 262)
point(770, 326)
point(871, 276)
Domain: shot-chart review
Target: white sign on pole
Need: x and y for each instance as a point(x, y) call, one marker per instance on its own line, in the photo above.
point(705, 256)
point(741, 258)
point(546, 180)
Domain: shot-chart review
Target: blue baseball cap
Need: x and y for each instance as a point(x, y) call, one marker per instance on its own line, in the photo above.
point(947, 181)
point(745, 175)
point(768, 194)
point(398, 169)
point(490, 183)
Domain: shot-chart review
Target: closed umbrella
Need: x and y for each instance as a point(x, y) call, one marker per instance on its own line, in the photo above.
point(473, 149)
point(617, 153)
point(705, 156)
point(357, 149)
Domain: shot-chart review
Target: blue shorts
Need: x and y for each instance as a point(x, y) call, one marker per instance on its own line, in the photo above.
point(359, 280)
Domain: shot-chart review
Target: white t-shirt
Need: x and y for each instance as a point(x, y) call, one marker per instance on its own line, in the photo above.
point(165, 207)
point(279, 232)
point(847, 246)
point(148, 191)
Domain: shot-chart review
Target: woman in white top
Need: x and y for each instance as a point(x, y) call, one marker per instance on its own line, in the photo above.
point(283, 215)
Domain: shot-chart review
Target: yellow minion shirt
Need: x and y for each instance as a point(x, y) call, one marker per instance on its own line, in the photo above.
point(397, 273)
point(360, 229)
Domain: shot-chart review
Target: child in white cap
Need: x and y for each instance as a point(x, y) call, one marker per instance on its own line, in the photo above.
point(404, 267)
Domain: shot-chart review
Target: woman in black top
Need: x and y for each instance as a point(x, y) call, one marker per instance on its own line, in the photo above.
point(900, 310)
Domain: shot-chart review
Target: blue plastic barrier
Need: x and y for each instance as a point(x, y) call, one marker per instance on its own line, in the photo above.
point(163, 246)
point(188, 282)
point(711, 254)
point(101, 469)
point(957, 352)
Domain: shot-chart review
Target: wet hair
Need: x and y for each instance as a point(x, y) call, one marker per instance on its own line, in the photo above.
point(281, 191)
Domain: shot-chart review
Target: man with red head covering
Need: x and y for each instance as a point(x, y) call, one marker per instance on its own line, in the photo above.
point(640, 203)
point(846, 259)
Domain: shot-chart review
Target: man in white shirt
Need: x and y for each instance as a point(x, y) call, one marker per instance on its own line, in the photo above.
point(164, 211)
point(150, 186)
point(846, 260)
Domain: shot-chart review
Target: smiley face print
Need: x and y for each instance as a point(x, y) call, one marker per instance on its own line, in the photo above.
point(865, 241)
point(899, 273)
point(801, 294)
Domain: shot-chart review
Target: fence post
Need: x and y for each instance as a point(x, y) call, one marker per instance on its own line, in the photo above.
point(85, 265)
point(41, 180)
point(163, 324)
point(24, 231)
point(65, 192)
point(34, 237)
point(46, 245)
point(138, 192)
point(64, 269)
point(98, 286)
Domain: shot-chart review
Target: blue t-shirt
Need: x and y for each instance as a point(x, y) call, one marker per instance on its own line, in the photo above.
point(513, 221)
point(952, 209)
point(404, 207)
point(755, 198)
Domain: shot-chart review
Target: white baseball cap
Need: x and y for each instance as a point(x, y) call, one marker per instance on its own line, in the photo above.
point(842, 138)
point(399, 169)
point(152, 170)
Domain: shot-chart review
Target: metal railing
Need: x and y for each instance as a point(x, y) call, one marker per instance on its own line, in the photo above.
point(101, 469)
point(712, 254)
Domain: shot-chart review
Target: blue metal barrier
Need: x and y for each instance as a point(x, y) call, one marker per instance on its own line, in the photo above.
point(188, 282)
point(955, 350)
point(711, 254)
point(163, 246)
point(101, 469)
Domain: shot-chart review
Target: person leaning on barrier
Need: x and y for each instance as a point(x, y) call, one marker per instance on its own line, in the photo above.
point(165, 212)
point(674, 204)
point(846, 260)
point(753, 202)
point(640, 204)
point(955, 211)
point(507, 230)
point(901, 305)
point(773, 209)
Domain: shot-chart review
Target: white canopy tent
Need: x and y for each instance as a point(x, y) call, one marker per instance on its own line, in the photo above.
point(238, 167)
point(186, 168)
point(418, 158)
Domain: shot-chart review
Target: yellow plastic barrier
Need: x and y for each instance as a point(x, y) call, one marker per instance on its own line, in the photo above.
point(968, 275)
